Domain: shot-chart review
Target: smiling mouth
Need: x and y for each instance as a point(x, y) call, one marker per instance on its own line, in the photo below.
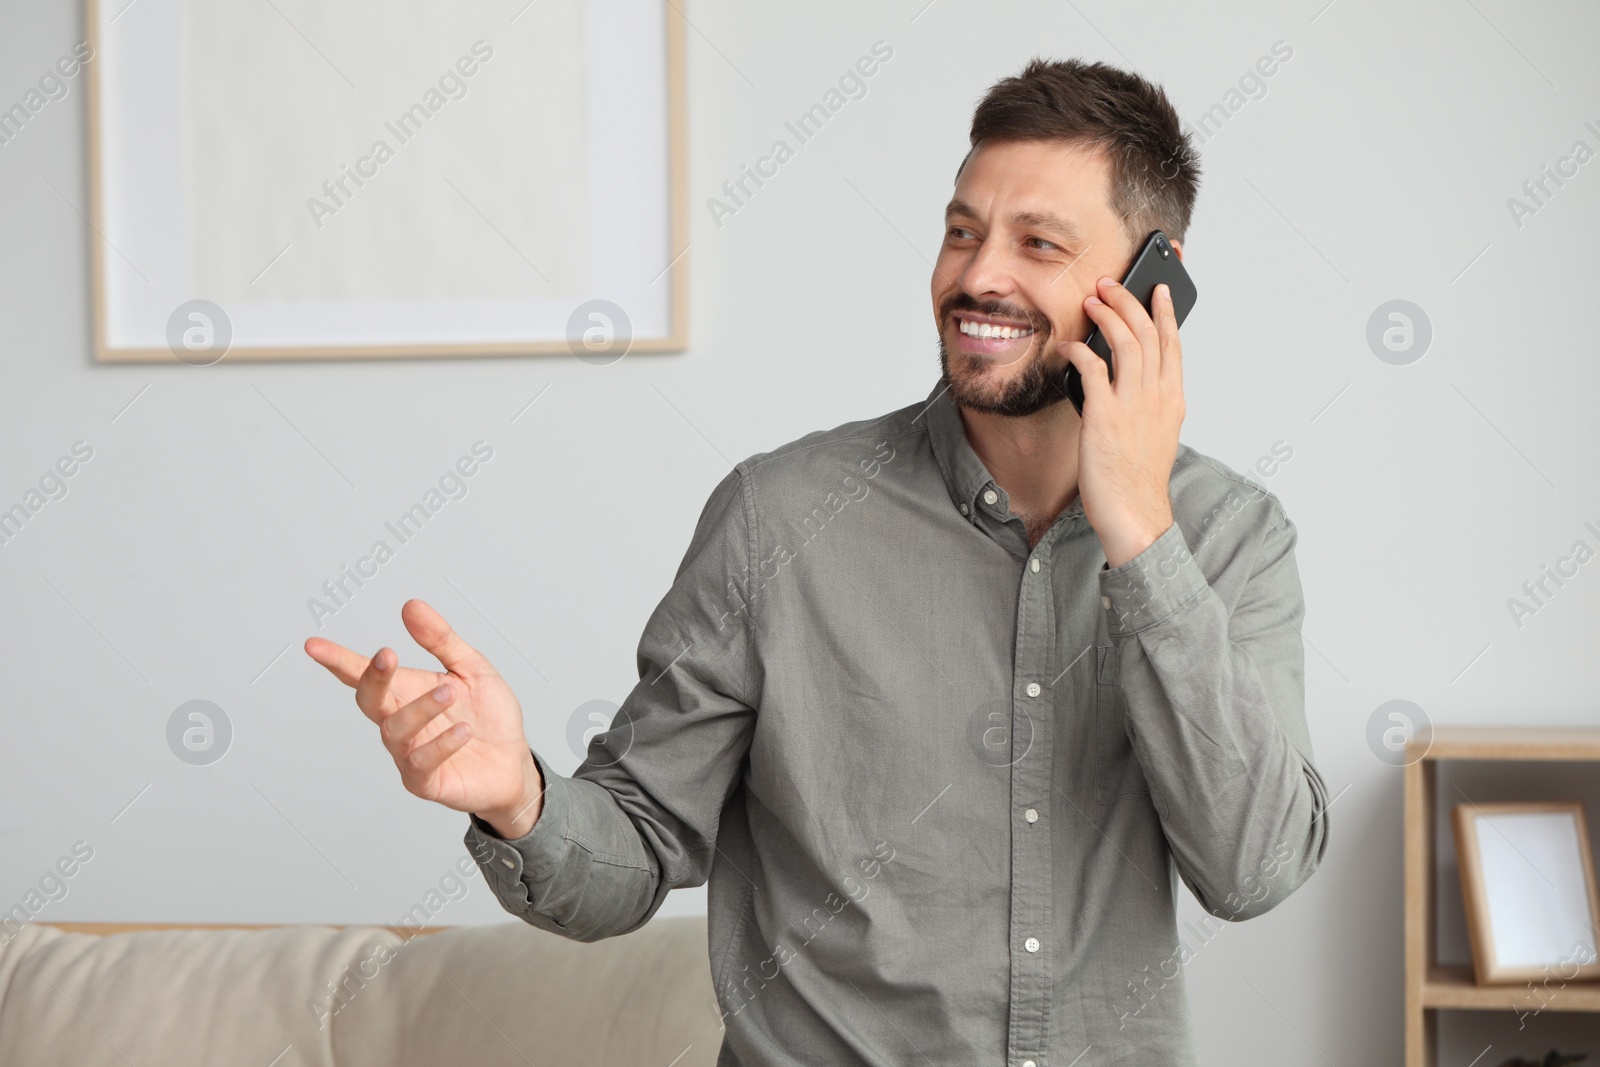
point(989, 329)
point(988, 334)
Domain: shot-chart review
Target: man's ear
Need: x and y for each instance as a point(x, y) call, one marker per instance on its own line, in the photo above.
point(1177, 246)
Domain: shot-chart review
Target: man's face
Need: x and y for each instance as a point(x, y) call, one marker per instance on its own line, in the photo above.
point(1027, 235)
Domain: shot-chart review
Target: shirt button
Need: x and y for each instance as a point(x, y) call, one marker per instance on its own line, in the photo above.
point(965, 509)
point(1032, 944)
point(1029, 1063)
point(1033, 689)
point(1105, 602)
point(1032, 815)
point(989, 496)
point(1034, 564)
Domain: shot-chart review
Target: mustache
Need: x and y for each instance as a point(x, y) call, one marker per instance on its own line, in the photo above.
point(960, 301)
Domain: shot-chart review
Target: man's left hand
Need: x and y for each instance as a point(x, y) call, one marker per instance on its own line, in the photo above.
point(1129, 437)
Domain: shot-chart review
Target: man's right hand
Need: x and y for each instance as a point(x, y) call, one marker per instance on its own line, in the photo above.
point(455, 735)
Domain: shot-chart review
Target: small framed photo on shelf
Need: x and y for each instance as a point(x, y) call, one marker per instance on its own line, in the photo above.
point(1528, 884)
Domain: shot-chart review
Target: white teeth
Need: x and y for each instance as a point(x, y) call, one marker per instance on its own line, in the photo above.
point(984, 329)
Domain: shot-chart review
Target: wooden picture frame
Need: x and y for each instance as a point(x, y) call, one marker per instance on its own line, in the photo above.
point(1528, 884)
point(628, 252)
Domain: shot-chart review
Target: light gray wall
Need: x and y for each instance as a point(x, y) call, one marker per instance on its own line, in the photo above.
point(1377, 166)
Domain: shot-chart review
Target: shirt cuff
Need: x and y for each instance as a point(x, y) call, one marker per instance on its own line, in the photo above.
point(1151, 587)
point(536, 853)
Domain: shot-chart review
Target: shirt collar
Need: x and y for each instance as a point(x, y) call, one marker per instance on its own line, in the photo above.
point(965, 476)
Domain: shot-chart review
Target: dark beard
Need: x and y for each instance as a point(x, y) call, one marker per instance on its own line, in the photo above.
point(1036, 389)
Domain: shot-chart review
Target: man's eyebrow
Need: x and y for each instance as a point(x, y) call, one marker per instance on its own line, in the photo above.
point(958, 207)
point(1043, 220)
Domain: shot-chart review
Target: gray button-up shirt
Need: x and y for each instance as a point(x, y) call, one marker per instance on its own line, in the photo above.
point(943, 785)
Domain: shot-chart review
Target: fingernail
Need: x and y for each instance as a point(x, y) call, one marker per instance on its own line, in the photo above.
point(1108, 281)
point(1166, 293)
point(1095, 300)
point(442, 694)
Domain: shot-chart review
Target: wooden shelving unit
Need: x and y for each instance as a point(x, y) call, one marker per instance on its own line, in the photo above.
point(1431, 987)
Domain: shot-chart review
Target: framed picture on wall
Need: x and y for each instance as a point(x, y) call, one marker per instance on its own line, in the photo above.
point(1528, 883)
point(291, 179)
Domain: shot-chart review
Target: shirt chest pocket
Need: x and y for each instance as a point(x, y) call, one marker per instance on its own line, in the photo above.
point(1117, 771)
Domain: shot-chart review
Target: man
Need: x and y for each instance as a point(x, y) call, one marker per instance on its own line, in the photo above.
point(943, 704)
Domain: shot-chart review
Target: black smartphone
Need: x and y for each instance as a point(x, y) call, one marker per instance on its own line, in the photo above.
point(1156, 263)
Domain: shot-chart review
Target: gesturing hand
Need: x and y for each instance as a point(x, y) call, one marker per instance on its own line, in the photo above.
point(1129, 438)
point(455, 735)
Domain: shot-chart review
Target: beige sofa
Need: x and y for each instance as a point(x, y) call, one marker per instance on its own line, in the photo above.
point(478, 996)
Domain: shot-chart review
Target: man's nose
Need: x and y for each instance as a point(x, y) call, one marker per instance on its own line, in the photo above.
point(987, 274)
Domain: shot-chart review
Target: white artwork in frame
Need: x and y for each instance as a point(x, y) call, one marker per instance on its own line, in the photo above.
point(386, 178)
point(1528, 884)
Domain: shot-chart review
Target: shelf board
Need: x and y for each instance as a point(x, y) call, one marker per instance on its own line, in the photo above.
point(1508, 743)
point(1453, 987)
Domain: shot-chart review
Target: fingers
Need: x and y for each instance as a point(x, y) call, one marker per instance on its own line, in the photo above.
point(1124, 347)
point(429, 757)
point(1096, 375)
point(1171, 349)
point(1133, 337)
point(430, 631)
point(372, 691)
point(345, 665)
point(401, 729)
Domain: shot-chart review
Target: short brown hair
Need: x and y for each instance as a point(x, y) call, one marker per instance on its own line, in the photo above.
point(1155, 171)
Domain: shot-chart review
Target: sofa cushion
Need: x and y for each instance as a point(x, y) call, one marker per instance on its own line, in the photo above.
point(511, 994)
point(175, 997)
point(316, 996)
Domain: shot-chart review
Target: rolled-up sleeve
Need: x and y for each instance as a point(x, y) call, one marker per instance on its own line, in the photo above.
point(639, 816)
point(1216, 714)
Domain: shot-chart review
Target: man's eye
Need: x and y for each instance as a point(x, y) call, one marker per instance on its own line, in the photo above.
point(1042, 244)
point(958, 233)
